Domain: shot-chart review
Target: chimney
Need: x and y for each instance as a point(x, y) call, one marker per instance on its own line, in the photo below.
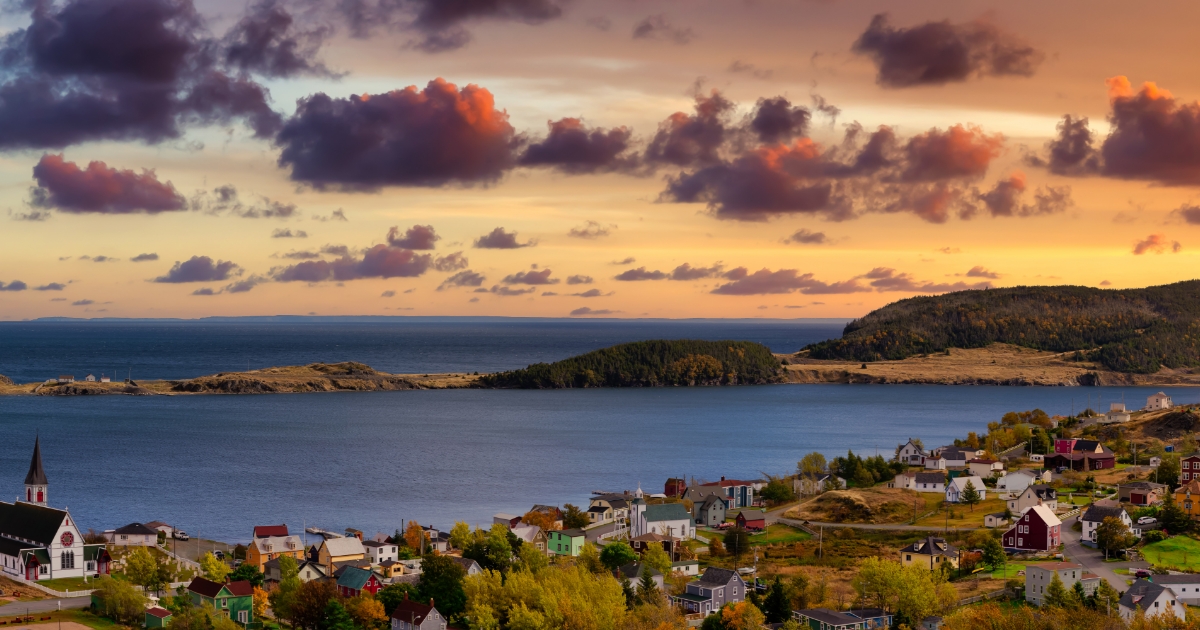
point(722, 477)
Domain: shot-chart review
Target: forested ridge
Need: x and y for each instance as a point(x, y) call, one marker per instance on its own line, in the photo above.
point(1126, 330)
point(659, 363)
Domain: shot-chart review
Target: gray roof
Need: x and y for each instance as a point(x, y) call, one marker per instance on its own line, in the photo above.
point(1044, 491)
point(932, 546)
point(1186, 578)
point(931, 477)
point(136, 529)
point(634, 570)
point(666, 512)
point(1097, 513)
point(711, 500)
point(713, 575)
point(1145, 485)
point(36, 475)
point(1139, 592)
point(831, 617)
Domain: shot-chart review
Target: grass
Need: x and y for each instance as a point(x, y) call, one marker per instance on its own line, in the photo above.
point(964, 516)
point(779, 534)
point(1008, 572)
point(78, 616)
point(69, 584)
point(1177, 551)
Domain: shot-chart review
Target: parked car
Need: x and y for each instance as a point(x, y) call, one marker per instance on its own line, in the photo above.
point(1146, 520)
point(1142, 573)
point(220, 555)
point(181, 535)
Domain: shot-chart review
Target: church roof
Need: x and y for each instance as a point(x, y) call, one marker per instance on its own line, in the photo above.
point(37, 475)
point(28, 521)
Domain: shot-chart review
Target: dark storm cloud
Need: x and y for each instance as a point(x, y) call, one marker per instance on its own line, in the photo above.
point(433, 136)
point(580, 279)
point(499, 239)
point(99, 189)
point(1071, 151)
point(200, 269)
point(391, 260)
point(936, 53)
point(53, 286)
point(959, 152)
point(450, 262)
point(1004, 199)
point(268, 42)
point(572, 147)
point(441, 21)
point(416, 237)
point(1189, 213)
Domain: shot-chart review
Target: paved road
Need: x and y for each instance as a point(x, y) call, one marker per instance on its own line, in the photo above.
point(44, 606)
point(1093, 560)
point(901, 528)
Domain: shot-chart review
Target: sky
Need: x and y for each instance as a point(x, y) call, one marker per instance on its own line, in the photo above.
point(585, 158)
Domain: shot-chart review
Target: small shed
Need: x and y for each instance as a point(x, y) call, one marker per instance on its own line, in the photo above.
point(756, 521)
point(157, 617)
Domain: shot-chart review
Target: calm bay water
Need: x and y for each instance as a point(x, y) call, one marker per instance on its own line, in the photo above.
point(216, 465)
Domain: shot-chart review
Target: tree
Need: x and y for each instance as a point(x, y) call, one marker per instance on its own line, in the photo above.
point(260, 601)
point(164, 574)
point(574, 518)
point(1106, 597)
point(589, 558)
point(188, 618)
point(442, 581)
point(970, 495)
point(777, 608)
point(140, 567)
point(460, 535)
point(538, 518)
point(777, 491)
point(289, 584)
point(214, 570)
point(1167, 472)
point(367, 612)
point(414, 537)
point(308, 610)
point(492, 550)
point(716, 547)
point(1113, 535)
point(532, 558)
point(742, 616)
point(1173, 518)
point(616, 555)
point(247, 572)
point(656, 558)
point(811, 465)
point(391, 595)
point(993, 554)
point(737, 541)
point(647, 590)
point(564, 595)
point(121, 602)
point(1057, 595)
point(336, 617)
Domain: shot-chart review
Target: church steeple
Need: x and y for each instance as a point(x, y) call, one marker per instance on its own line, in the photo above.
point(35, 481)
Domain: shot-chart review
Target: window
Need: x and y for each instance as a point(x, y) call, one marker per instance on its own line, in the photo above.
point(68, 560)
point(44, 570)
point(1186, 465)
point(224, 603)
point(1020, 542)
point(243, 616)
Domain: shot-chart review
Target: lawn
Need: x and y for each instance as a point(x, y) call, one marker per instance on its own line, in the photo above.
point(69, 584)
point(1177, 551)
point(1009, 571)
point(964, 516)
point(780, 534)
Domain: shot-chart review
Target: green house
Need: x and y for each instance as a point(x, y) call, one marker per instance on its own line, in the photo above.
point(234, 600)
point(567, 542)
point(157, 617)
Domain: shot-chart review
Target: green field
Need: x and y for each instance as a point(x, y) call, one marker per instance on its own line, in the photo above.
point(69, 584)
point(1178, 551)
point(780, 534)
point(1008, 572)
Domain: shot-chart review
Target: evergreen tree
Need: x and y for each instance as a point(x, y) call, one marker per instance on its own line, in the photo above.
point(993, 554)
point(647, 590)
point(737, 541)
point(777, 607)
point(1057, 595)
point(336, 617)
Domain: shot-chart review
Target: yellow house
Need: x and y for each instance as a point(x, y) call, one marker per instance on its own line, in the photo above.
point(263, 550)
point(930, 553)
point(340, 550)
point(1187, 497)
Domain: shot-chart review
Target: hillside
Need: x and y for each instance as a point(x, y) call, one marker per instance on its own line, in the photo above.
point(1139, 331)
point(659, 363)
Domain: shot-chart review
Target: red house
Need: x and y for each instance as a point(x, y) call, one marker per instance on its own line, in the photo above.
point(1189, 469)
point(1077, 454)
point(756, 521)
point(1037, 529)
point(675, 487)
point(354, 580)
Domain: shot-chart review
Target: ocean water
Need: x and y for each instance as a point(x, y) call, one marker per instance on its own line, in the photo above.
point(218, 465)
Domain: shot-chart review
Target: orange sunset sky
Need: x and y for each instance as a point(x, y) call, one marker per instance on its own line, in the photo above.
point(649, 158)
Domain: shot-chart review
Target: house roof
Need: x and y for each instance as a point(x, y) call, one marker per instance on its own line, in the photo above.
point(599, 509)
point(1143, 485)
point(651, 537)
point(728, 483)
point(960, 483)
point(156, 524)
point(931, 477)
point(711, 501)
point(526, 533)
point(376, 543)
point(634, 570)
point(666, 512)
point(1141, 592)
point(931, 546)
point(278, 543)
point(161, 613)
point(210, 589)
point(713, 575)
point(1056, 566)
point(1168, 580)
point(751, 516)
point(465, 563)
point(1048, 517)
point(1043, 491)
point(267, 531)
point(136, 529)
point(31, 522)
point(412, 612)
point(354, 578)
point(1192, 486)
point(831, 617)
point(574, 532)
point(36, 475)
point(347, 546)
point(982, 461)
point(1097, 513)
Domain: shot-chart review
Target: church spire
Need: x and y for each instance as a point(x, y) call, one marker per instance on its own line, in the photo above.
point(37, 475)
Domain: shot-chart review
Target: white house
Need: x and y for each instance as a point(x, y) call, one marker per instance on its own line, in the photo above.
point(1158, 401)
point(984, 467)
point(668, 519)
point(1117, 413)
point(1015, 482)
point(904, 481)
point(378, 552)
point(1154, 599)
point(1039, 576)
point(1185, 585)
point(1095, 515)
point(911, 453)
point(91, 378)
point(132, 535)
point(935, 463)
point(930, 482)
point(958, 485)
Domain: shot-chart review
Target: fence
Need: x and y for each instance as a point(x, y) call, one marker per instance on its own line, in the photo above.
point(47, 590)
point(1004, 592)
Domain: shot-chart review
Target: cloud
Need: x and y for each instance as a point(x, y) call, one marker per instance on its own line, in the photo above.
point(1156, 243)
point(99, 189)
point(15, 285)
point(1105, 283)
point(885, 279)
point(388, 294)
point(226, 199)
point(53, 286)
point(807, 237)
point(205, 291)
point(416, 237)
point(1071, 151)
point(441, 23)
point(119, 70)
point(244, 285)
point(200, 269)
point(979, 272)
point(691, 140)
point(741, 67)
point(379, 261)
point(82, 302)
point(267, 42)
point(31, 215)
point(530, 277)
point(949, 250)
point(335, 250)
point(658, 27)
point(583, 310)
point(99, 259)
point(935, 53)
point(688, 272)
point(1188, 213)
point(506, 291)
point(336, 215)
point(767, 282)
point(625, 261)
point(579, 279)
point(777, 120)
point(451, 262)
point(144, 257)
point(301, 255)
point(591, 293)
point(412, 137)
point(466, 278)
point(1004, 199)
point(591, 231)
point(957, 152)
point(634, 275)
point(288, 233)
point(499, 239)
point(574, 148)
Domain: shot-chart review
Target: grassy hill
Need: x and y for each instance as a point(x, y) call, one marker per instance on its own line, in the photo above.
point(1127, 330)
point(659, 363)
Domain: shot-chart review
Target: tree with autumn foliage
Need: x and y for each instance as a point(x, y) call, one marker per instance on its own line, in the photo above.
point(546, 520)
point(742, 616)
point(367, 612)
point(414, 537)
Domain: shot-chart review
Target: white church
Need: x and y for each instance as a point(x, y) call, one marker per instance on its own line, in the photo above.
point(38, 542)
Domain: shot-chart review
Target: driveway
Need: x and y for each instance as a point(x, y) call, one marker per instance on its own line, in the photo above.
point(1093, 560)
point(44, 606)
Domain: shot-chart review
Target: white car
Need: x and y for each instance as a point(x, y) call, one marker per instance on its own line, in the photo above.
point(1146, 520)
point(181, 535)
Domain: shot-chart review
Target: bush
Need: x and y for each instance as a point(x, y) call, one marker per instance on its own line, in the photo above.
point(1153, 536)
